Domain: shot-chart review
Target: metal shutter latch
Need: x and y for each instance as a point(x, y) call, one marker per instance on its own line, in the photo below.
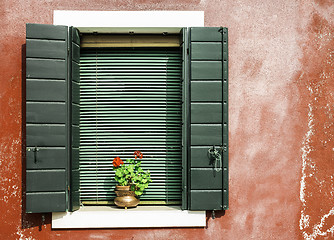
point(215, 155)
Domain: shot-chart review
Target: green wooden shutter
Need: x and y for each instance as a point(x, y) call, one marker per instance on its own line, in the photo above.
point(185, 116)
point(208, 123)
point(47, 152)
point(130, 100)
point(74, 92)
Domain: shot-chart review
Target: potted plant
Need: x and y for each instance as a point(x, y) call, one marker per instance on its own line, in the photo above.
point(132, 180)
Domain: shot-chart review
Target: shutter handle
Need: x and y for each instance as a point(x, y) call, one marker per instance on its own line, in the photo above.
point(216, 156)
point(35, 154)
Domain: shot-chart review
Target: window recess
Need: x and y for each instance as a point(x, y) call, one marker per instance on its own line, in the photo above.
point(130, 99)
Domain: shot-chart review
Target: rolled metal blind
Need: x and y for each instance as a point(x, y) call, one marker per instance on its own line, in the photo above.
point(130, 99)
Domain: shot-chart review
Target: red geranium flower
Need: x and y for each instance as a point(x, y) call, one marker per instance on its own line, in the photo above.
point(138, 154)
point(117, 162)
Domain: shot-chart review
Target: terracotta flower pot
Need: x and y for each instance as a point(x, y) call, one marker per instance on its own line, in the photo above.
point(125, 197)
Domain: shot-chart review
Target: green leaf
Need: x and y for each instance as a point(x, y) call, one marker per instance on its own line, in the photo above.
point(138, 193)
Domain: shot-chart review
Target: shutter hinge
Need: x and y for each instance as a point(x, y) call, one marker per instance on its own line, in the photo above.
point(213, 214)
point(187, 51)
point(68, 188)
point(222, 30)
point(68, 51)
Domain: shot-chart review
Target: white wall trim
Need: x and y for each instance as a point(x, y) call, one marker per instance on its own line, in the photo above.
point(129, 18)
point(140, 217)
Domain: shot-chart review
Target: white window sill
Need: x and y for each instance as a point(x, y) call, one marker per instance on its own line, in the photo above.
point(140, 217)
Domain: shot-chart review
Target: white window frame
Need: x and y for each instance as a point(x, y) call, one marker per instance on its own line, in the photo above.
point(142, 216)
point(128, 19)
point(139, 217)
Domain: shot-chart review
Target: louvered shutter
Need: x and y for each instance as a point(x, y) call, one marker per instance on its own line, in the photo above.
point(46, 118)
point(208, 123)
point(130, 100)
point(74, 68)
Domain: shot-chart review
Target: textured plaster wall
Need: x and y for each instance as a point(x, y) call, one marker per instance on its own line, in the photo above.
point(281, 119)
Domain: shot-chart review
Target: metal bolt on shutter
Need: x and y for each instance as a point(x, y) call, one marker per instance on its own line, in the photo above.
point(130, 99)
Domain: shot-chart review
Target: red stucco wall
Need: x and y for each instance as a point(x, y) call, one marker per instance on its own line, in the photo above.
point(281, 119)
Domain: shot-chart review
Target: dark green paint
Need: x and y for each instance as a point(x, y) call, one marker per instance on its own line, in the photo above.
point(46, 158)
point(200, 158)
point(48, 32)
point(75, 136)
point(225, 122)
point(206, 200)
point(75, 199)
point(205, 34)
point(75, 156)
point(75, 36)
point(46, 118)
point(75, 114)
point(45, 180)
point(75, 53)
point(74, 118)
point(185, 117)
point(41, 112)
point(46, 135)
point(207, 118)
point(206, 112)
point(45, 202)
point(206, 51)
point(46, 90)
point(206, 135)
point(206, 91)
point(45, 49)
point(49, 61)
point(206, 70)
point(75, 72)
point(225, 187)
point(76, 182)
point(204, 178)
point(46, 68)
point(75, 93)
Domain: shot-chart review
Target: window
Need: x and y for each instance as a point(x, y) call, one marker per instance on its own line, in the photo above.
point(53, 114)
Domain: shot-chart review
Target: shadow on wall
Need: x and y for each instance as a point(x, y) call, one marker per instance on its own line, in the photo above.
point(213, 215)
